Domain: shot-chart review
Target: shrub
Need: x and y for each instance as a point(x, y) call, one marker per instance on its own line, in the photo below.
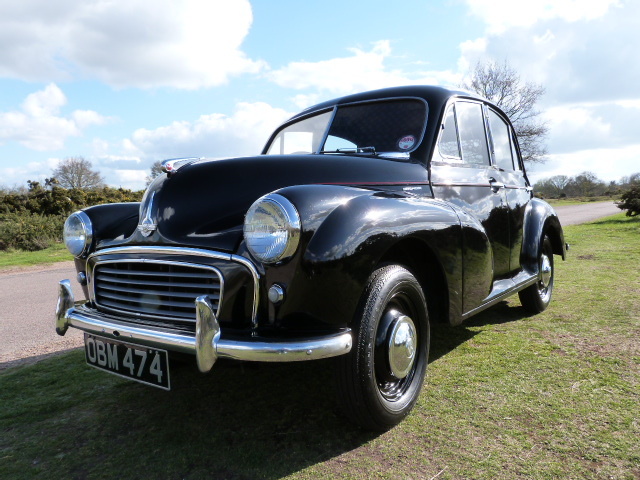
point(61, 201)
point(27, 231)
point(631, 201)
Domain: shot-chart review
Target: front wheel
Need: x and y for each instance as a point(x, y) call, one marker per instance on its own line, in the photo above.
point(537, 297)
point(380, 379)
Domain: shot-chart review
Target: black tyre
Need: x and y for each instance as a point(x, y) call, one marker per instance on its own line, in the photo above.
point(380, 379)
point(537, 297)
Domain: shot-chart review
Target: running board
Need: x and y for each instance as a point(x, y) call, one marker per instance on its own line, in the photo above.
point(503, 289)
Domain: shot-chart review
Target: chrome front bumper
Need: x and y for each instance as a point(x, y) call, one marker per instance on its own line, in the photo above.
point(207, 345)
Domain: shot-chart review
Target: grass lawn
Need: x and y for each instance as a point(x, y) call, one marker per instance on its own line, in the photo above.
point(18, 258)
point(556, 395)
point(581, 200)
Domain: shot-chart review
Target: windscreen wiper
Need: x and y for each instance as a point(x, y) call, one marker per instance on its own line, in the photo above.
point(356, 150)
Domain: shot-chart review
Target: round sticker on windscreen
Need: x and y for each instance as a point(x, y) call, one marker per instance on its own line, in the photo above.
point(407, 142)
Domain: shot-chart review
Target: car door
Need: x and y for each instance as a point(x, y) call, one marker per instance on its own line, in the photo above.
point(509, 171)
point(462, 174)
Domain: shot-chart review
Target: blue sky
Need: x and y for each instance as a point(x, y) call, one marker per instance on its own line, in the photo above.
point(124, 84)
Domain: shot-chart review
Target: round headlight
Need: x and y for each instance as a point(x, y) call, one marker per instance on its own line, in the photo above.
point(272, 228)
point(78, 233)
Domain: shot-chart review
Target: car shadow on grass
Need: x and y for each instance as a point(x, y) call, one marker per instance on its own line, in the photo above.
point(445, 338)
point(240, 421)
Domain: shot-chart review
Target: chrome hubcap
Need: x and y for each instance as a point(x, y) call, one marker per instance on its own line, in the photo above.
point(402, 346)
point(545, 271)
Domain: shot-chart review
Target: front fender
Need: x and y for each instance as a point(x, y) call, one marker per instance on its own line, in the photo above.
point(109, 221)
point(344, 245)
point(540, 219)
point(113, 220)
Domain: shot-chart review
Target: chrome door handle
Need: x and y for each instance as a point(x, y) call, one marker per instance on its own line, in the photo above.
point(495, 185)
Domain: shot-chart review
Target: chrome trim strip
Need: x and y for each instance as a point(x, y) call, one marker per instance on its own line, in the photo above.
point(256, 282)
point(196, 252)
point(312, 348)
point(502, 295)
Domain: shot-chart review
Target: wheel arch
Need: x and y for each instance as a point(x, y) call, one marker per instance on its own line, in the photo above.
point(540, 219)
point(422, 262)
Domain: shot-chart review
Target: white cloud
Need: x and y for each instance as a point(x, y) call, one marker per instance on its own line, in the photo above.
point(576, 127)
point(87, 118)
point(363, 70)
point(576, 58)
point(131, 179)
point(142, 43)
point(127, 163)
point(17, 176)
point(500, 15)
point(214, 135)
point(607, 163)
point(40, 126)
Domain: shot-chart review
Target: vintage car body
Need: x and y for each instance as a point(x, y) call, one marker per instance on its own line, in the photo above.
point(386, 210)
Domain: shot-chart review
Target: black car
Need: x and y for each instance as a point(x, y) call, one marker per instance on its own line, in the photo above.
point(363, 220)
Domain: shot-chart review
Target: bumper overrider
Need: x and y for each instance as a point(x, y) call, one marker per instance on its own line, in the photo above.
point(209, 342)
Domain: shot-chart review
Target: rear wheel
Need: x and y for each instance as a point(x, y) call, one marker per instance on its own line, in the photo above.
point(537, 297)
point(380, 379)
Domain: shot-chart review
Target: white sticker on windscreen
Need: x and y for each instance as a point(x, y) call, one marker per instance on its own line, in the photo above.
point(407, 142)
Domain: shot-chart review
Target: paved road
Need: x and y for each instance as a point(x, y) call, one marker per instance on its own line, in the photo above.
point(28, 300)
point(27, 307)
point(575, 214)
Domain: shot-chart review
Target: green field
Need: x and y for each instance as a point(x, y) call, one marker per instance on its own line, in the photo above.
point(18, 258)
point(580, 200)
point(556, 395)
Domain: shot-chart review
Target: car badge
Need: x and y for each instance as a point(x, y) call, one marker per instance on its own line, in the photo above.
point(146, 226)
point(172, 165)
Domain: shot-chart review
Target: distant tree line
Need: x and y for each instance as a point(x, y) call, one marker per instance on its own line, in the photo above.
point(586, 184)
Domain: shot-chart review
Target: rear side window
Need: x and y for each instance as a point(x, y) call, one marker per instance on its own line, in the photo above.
point(473, 137)
point(501, 142)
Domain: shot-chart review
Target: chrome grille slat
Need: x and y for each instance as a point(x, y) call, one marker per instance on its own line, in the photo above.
point(157, 289)
point(149, 301)
point(143, 273)
point(146, 311)
point(163, 293)
point(104, 278)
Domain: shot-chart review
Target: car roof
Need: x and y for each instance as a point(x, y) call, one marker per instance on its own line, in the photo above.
point(433, 95)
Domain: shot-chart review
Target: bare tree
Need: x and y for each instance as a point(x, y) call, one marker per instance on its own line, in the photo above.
point(76, 172)
point(501, 84)
point(559, 183)
point(155, 170)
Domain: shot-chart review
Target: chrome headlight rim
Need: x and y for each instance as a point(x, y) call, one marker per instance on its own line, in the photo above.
point(287, 212)
point(87, 233)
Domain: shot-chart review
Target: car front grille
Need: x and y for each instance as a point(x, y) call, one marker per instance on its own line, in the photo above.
point(155, 289)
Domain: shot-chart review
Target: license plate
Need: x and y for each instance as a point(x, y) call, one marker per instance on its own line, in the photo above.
point(142, 364)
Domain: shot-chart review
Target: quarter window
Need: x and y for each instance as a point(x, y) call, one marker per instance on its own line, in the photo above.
point(473, 137)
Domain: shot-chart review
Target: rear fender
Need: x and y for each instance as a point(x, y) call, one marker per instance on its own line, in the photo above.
point(540, 219)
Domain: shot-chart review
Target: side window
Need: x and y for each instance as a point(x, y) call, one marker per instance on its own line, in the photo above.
point(473, 138)
point(501, 142)
point(448, 144)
